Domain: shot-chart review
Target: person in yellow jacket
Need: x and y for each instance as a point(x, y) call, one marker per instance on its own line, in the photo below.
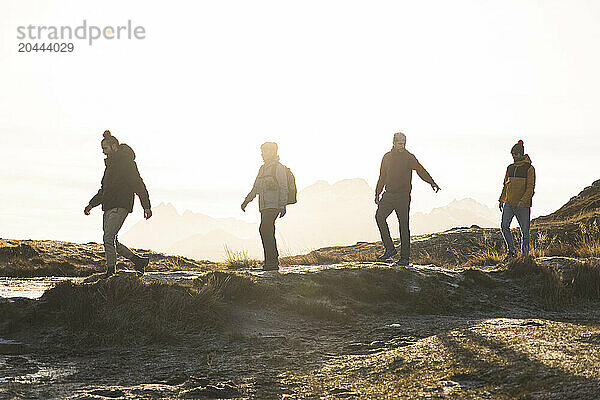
point(515, 200)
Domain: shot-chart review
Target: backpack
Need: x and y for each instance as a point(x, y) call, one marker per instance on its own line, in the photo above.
point(291, 184)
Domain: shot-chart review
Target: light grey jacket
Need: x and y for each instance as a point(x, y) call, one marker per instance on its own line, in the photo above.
point(272, 190)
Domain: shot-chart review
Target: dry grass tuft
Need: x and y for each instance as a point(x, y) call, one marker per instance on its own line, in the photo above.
point(320, 257)
point(232, 287)
point(558, 288)
point(485, 258)
point(128, 310)
point(239, 260)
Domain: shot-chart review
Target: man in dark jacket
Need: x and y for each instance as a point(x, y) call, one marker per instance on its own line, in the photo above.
point(396, 177)
point(120, 182)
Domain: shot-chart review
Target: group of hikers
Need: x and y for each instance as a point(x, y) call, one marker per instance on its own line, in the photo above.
point(275, 187)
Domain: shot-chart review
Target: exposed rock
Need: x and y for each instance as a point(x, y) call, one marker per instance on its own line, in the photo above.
point(153, 391)
point(219, 391)
point(565, 267)
point(532, 323)
point(342, 393)
point(176, 379)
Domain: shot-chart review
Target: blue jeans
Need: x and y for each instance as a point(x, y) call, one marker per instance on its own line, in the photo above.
point(523, 215)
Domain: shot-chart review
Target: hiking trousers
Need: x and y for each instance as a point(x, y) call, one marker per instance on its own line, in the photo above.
point(400, 203)
point(267, 235)
point(113, 221)
point(523, 215)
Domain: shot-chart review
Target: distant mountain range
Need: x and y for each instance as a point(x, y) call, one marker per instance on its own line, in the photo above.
point(193, 234)
point(465, 212)
point(325, 215)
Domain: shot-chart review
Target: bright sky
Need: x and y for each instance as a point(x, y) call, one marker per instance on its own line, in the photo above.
point(330, 81)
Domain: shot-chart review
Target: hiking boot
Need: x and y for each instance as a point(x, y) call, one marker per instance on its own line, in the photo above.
point(387, 254)
point(403, 262)
point(140, 264)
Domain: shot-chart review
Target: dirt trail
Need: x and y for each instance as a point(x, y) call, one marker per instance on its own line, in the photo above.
point(346, 330)
point(496, 342)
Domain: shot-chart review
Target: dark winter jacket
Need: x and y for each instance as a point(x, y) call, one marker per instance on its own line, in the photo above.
point(120, 181)
point(396, 172)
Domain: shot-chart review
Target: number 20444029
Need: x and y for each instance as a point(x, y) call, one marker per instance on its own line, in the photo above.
point(46, 47)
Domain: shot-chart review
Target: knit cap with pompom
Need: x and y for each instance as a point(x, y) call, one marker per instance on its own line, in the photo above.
point(518, 148)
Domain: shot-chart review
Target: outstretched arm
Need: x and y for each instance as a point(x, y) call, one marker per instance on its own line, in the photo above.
point(423, 174)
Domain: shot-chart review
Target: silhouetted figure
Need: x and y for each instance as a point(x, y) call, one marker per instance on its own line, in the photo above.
point(396, 177)
point(271, 186)
point(120, 181)
point(515, 201)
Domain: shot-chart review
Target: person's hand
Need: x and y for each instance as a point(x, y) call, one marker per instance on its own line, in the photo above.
point(87, 210)
point(282, 213)
point(147, 213)
point(376, 199)
point(435, 187)
point(244, 205)
point(500, 205)
point(521, 204)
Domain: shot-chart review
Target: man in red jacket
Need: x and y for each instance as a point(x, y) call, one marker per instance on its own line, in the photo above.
point(120, 182)
point(396, 177)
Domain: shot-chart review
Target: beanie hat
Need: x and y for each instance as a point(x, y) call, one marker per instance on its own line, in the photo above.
point(518, 148)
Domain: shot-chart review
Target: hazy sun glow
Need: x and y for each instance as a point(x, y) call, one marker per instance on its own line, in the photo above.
point(329, 81)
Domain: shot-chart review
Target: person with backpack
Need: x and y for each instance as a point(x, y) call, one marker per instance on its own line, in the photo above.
point(395, 176)
point(516, 198)
point(120, 182)
point(275, 187)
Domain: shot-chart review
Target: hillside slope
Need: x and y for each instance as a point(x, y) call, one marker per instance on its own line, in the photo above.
point(583, 207)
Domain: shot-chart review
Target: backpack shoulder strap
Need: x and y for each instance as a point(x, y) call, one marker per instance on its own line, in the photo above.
point(274, 171)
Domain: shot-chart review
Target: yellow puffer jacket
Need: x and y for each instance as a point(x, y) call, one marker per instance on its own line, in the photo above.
point(519, 183)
